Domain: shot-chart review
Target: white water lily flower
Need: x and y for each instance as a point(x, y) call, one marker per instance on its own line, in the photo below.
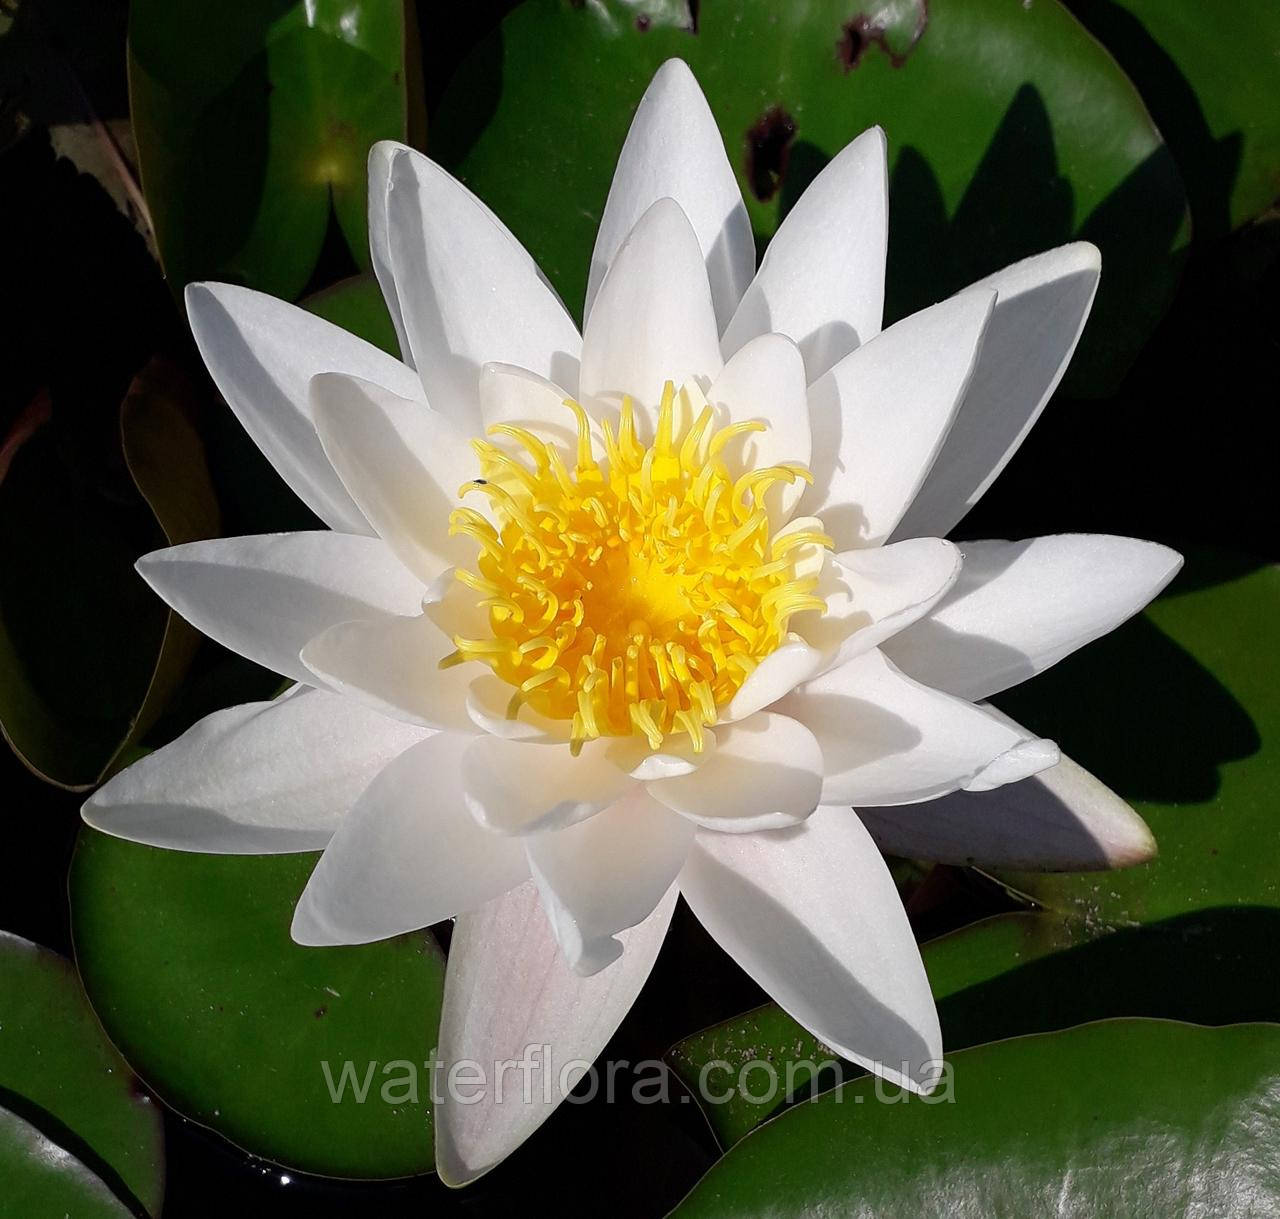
point(651, 610)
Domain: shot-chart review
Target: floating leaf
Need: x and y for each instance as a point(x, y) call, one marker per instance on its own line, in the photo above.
point(1010, 131)
point(70, 1097)
point(254, 121)
point(1123, 1117)
point(88, 655)
point(189, 964)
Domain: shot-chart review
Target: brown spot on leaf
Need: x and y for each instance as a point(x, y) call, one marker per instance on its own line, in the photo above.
point(895, 27)
point(321, 1011)
point(769, 141)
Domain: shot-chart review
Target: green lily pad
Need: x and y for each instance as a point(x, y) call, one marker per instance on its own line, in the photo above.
point(311, 1057)
point(1123, 1117)
point(63, 1084)
point(1208, 73)
point(1189, 936)
point(253, 122)
point(41, 1178)
point(1011, 130)
point(77, 616)
point(357, 306)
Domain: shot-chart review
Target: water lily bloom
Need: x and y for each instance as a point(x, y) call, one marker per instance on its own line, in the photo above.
point(662, 608)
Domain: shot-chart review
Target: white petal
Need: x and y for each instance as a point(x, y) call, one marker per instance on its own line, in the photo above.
point(881, 415)
point(261, 353)
point(872, 594)
point(676, 756)
point(509, 996)
point(1041, 311)
point(886, 739)
point(453, 607)
point(382, 156)
point(1062, 819)
point(469, 291)
point(257, 779)
point(652, 321)
point(1020, 607)
point(766, 772)
point(674, 150)
point(765, 380)
point(606, 874)
point(821, 281)
point(813, 916)
point(402, 462)
point(518, 787)
point(407, 856)
point(523, 399)
point(777, 674)
point(489, 700)
point(393, 666)
point(264, 597)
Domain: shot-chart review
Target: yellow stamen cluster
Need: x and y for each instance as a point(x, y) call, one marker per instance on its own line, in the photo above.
point(633, 595)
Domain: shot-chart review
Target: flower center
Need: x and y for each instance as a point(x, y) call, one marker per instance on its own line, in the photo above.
point(632, 595)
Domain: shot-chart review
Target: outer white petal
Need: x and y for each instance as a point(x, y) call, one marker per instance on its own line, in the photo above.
point(382, 156)
point(261, 353)
point(606, 874)
point(1062, 819)
point(509, 996)
point(1038, 319)
point(653, 320)
point(880, 416)
point(886, 739)
point(674, 150)
point(393, 666)
point(519, 787)
point(265, 596)
point(765, 380)
point(813, 916)
point(873, 594)
point(821, 281)
point(765, 773)
point(468, 290)
point(776, 675)
point(402, 462)
point(1020, 607)
point(257, 779)
point(407, 856)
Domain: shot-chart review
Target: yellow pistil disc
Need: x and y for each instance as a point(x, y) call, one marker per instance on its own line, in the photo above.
point(635, 593)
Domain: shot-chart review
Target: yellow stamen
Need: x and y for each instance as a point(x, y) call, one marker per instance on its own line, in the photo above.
point(631, 594)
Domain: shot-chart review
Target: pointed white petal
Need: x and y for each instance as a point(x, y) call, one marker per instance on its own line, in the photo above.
point(886, 739)
point(519, 787)
point(606, 874)
point(407, 856)
point(258, 779)
point(652, 320)
point(453, 607)
point(880, 416)
point(1062, 819)
point(821, 281)
point(382, 156)
point(813, 916)
point(509, 996)
point(261, 353)
point(676, 756)
point(469, 291)
point(674, 150)
point(1020, 607)
point(873, 594)
point(1041, 311)
point(265, 596)
point(765, 380)
point(402, 463)
point(766, 772)
point(393, 666)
